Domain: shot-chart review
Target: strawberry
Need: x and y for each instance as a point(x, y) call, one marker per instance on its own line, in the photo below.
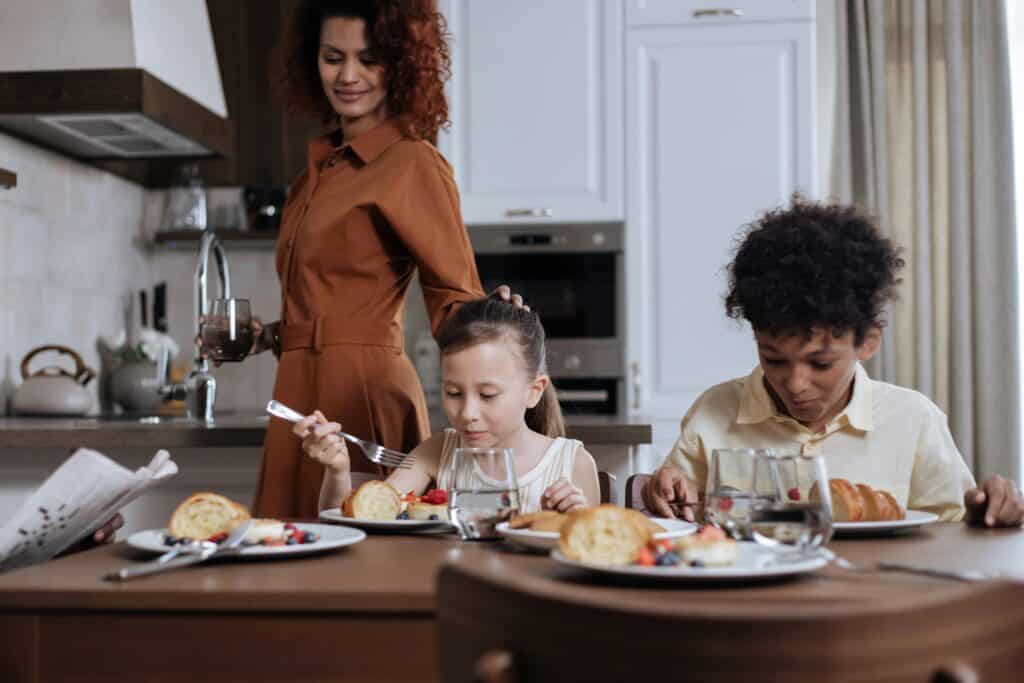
point(217, 538)
point(725, 504)
point(646, 558)
point(436, 497)
point(299, 536)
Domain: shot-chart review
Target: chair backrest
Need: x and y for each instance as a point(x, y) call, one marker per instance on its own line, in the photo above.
point(634, 491)
point(502, 626)
point(606, 482)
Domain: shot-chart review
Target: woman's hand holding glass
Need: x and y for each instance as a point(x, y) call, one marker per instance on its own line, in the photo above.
point(320, 441)
point(562, 496)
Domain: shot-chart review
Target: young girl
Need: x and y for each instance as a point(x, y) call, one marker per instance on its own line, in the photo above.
point(496, 395)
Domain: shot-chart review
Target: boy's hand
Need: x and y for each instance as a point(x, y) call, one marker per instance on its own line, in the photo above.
point(321, 442)
point(562, 496)
point(668, 493)
point(996, 503)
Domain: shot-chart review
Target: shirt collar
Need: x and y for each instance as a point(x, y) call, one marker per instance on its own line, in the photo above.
point(366, 147)
point(756, 404)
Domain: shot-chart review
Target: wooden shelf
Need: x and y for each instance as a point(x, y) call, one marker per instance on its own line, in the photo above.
point(8, 179)
point(186, 239)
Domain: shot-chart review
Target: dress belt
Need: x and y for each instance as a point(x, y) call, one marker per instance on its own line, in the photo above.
point(335, 330)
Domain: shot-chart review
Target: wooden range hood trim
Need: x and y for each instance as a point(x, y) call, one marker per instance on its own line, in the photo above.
point(113, 91)
point(8, 179)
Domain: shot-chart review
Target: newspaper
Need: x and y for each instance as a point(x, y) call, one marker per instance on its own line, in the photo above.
point(76, 500)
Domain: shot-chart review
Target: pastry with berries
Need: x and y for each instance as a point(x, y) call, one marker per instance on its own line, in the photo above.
point(431, 506)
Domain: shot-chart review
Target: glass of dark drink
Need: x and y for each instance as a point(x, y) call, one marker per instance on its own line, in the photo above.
point(227, 330)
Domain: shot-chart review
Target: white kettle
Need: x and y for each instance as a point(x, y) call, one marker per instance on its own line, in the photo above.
point(52, 390)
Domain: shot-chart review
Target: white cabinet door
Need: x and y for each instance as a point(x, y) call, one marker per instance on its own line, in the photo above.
point(720, 127)
point(660, 12)
point(536, 109)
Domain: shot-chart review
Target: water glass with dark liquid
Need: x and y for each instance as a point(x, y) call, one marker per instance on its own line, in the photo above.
point(227, 330)
point(797, 514)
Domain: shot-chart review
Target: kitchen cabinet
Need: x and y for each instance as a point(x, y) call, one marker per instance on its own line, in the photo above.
point(721, 126)
point(536, 109)
point(663, 12)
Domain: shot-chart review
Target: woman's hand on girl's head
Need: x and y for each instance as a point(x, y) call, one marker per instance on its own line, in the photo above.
point(504, 292)
point(321, 442)
point(562, 496)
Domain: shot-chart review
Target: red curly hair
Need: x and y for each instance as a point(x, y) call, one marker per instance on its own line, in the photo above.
point(408, 37)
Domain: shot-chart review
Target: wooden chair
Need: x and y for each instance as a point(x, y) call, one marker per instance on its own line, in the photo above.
point(519, 627)
point(606, 482)
point(634, 491)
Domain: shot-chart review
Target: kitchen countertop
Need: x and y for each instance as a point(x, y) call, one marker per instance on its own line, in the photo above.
point(237, 431)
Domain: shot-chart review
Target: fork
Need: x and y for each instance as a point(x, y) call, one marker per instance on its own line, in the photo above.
point(374, 451)
point(881, 566)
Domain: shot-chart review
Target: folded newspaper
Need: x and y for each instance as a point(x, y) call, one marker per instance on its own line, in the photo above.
point(75, 501)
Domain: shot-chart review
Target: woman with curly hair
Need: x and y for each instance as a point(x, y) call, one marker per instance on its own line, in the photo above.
point(813, 281)
point(376, 204)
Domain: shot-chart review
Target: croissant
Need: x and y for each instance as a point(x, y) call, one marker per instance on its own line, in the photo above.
point(862, 503)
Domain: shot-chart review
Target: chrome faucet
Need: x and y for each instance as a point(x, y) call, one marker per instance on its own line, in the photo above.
point(199, 390)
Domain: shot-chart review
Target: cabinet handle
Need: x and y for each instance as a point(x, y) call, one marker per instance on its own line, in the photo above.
point(635, 367)
point(717, 12)
point(534, 212)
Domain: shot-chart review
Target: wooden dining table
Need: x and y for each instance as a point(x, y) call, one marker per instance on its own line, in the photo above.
point(369, 612)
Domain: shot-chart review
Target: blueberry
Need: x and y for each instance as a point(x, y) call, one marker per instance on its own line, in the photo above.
point(404, 514)
point(434, 517)
point(310, 537)
point(291, 540)
point(170, 540)
point(696, 563)
point(667, 559)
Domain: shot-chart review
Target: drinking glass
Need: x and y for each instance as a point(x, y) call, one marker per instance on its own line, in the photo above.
point(732, 490)
point(796, 511)
point(485, 491)
point(226, 331)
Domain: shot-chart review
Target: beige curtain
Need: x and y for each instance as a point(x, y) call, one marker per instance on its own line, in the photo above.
point(923, 139)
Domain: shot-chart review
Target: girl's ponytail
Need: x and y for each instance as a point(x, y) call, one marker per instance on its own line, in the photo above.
point(546, 417)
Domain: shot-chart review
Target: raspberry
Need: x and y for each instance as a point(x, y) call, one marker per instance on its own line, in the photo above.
point(725, 504)
point(793, 493)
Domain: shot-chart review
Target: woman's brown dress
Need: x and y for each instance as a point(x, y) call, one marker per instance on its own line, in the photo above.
point(357, 225)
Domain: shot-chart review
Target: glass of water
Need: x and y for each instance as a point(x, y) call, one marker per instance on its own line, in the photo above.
point(796, 512)
point(485, 491)
point(732, 490)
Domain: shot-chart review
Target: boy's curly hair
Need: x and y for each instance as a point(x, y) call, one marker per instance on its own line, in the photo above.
point(408, 37)
point(813, 266)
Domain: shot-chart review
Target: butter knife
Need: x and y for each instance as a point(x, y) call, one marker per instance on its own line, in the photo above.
point(230, 546)
point(957, 574)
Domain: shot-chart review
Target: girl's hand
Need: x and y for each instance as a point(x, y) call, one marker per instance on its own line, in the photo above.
point(321, 442)
point(504, 292)
point(264, 336)
point(562, 496)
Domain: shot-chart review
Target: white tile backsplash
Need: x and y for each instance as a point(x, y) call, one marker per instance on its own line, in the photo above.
point(67, 254)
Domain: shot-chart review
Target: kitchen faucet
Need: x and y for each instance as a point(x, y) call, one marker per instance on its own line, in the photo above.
point(199, 390)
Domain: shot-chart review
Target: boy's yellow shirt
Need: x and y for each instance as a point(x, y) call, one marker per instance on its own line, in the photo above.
point(889, 437)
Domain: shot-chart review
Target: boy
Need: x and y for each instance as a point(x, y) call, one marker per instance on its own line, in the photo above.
point(813, 281)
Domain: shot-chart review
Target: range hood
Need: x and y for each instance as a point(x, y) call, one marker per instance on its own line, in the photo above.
point(113, 79)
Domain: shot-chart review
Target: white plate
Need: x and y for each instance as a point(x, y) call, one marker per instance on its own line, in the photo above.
point(915, 518)
point(391, 526)
point(330, 537)
point(548, 540)
point(753, 563)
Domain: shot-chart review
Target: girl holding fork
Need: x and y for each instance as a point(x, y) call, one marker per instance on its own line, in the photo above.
point(496, 395)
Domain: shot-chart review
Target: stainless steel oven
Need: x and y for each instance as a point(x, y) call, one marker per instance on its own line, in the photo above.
point(572, 275)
